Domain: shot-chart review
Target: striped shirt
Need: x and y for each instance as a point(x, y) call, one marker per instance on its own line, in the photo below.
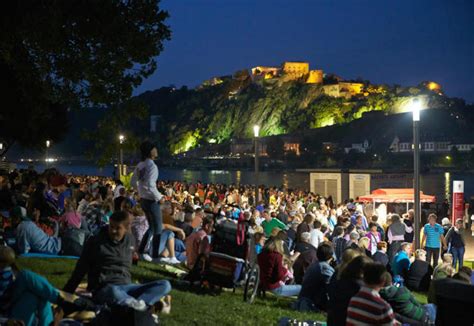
point(432, 234)
point(368, 308)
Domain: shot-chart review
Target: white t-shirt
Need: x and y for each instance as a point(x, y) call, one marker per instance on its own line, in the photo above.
point(317, 237)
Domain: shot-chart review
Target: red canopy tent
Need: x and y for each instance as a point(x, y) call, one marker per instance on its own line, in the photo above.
point(398, 195)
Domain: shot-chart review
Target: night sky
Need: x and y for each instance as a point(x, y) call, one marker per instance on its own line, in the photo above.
point(396, 42)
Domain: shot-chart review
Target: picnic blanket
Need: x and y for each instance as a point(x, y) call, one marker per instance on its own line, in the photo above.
point(38, 255)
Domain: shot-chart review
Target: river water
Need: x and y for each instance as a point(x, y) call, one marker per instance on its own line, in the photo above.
point(439, 184)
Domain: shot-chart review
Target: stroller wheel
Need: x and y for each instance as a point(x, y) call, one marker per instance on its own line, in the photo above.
point(251, 283)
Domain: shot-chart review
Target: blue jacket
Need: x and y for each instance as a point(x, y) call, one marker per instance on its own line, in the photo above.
point(400, 263)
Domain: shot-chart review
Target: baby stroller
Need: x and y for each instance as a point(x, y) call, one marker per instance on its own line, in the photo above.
point(232, 260)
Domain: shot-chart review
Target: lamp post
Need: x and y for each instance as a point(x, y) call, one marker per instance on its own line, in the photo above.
point(416, 108)
point(256, 130)
point(121, 140)
point(48, 143)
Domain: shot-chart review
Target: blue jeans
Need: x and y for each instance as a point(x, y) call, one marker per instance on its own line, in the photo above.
point(150, 292)
point(287, 290)
point(430, 311)
point(32, 298)
point(458, 256)
point(179, 249)
point(152, 211)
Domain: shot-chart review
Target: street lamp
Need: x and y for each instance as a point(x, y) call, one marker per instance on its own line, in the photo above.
point(416, 107)
point(48, 143)
point(121, 140)
point(256, 130)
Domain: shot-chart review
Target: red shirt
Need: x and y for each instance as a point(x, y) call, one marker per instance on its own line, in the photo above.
point(196, 244)
point(271, 269)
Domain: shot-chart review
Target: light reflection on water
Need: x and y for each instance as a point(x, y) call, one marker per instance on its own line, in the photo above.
point(439, 184)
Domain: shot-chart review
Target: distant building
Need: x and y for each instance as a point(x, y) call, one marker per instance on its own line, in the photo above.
point(289, 70)
point(295, 69)
point(343, 89)
point(403, 145)
point(463, 147)
point(361, 147)
point(315, 77)
point(291, 144)
point(262, 72)
point(242, 147)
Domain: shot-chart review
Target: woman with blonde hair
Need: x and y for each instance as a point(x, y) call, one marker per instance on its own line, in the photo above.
point(364, 246)
point(273, 273)
point(346, 258)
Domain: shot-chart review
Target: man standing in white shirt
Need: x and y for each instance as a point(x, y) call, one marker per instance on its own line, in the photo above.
point(144, 179)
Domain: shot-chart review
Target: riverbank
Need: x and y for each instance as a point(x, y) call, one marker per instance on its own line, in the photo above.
point(438, 184)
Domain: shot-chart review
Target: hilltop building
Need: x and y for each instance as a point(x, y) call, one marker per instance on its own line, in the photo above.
point(289, 70)
point(295, 69)
point(300, 70)
point(343, 89)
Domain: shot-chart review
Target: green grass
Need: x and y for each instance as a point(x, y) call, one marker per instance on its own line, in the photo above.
point(188, 308)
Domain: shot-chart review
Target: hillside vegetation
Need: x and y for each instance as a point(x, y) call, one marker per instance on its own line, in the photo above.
point(216, 113)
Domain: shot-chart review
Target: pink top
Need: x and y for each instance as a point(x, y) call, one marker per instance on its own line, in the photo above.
point(72, 219)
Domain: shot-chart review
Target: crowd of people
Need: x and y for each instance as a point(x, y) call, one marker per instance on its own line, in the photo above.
point(332, 257)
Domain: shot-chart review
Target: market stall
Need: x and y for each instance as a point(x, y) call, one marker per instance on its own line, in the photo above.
point(379, 198)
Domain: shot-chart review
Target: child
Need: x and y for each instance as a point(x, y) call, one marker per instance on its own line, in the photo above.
point(259, 242)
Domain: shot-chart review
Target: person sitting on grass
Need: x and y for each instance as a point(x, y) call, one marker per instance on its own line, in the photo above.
point(314, 290)
point(304, 256)
point(26, 296)
point(29, 237)
point(273, 273)
point(198, 243)
point(107, 260)
point(443, 270)
point(270, 223)
point(406, 307)
point(367, 307)
point(401, 261)
point(419, 274)
point(380, 255)
point(344, 286)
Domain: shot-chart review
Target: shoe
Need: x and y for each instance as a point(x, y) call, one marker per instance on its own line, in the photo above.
point(174, 261)
point(146, 257)
point(163, 306)
point(138, 305)
point(164, 260)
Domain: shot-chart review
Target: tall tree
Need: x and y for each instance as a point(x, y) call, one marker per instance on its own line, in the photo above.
point(60, 55)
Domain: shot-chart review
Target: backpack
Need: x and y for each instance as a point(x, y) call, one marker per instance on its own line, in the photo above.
point(118, 316)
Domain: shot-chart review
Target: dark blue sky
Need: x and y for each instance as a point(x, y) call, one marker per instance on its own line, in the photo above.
point(396, 42)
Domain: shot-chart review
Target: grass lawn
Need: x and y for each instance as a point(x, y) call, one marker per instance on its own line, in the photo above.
point(189, 308)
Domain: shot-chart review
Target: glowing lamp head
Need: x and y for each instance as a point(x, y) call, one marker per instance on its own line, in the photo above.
point(48, 143)
point(121, 138)
point(256, 130)
point(415, 107)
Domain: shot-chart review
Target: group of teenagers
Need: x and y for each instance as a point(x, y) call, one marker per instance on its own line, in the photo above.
point(330, 256)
